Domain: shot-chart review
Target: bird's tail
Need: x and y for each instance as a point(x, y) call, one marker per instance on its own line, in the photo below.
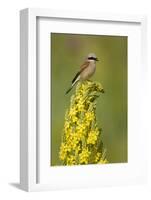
point(71, 87)
point(69, 90)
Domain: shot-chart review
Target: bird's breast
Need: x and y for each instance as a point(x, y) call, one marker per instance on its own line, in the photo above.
point(88, 72)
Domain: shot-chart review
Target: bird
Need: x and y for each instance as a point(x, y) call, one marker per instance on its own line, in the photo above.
point(87, 69)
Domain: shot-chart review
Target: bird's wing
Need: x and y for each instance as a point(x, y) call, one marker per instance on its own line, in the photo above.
point(82, 67)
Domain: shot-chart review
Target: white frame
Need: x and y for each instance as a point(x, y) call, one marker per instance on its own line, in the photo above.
point(28, 85)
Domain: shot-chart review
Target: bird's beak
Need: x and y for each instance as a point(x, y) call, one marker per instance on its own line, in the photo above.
point(97, 59)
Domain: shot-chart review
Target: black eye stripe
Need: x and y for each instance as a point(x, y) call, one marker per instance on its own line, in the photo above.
point(92, 58)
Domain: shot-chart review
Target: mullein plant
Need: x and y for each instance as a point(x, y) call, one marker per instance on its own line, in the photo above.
point(81, 138)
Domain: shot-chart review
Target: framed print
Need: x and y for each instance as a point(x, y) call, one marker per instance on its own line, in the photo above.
point(81, 107)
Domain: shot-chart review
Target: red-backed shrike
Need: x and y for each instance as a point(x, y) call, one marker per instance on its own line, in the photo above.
point(87, 69)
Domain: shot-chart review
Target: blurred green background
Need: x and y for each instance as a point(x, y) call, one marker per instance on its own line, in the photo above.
point(68, 51)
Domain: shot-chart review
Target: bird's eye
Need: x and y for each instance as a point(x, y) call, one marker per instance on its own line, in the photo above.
point(92, 58)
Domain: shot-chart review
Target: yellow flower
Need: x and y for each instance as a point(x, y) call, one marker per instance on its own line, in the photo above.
point(72, 112)
point(97, 157)
point(81, 135)
point(80, 106)
point(78, 148)
point(84, 156)
point(66, 126)
point(81, 127)
point(63, 151)
point(92, 137)
point(72, 142)
point(89, 116)
point(74, 119)
point(70, 160)
point(99, 87)
point(78, 98)
point(101, 161)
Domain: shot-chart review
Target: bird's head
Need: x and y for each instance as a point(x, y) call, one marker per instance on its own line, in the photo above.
point(92, 56)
